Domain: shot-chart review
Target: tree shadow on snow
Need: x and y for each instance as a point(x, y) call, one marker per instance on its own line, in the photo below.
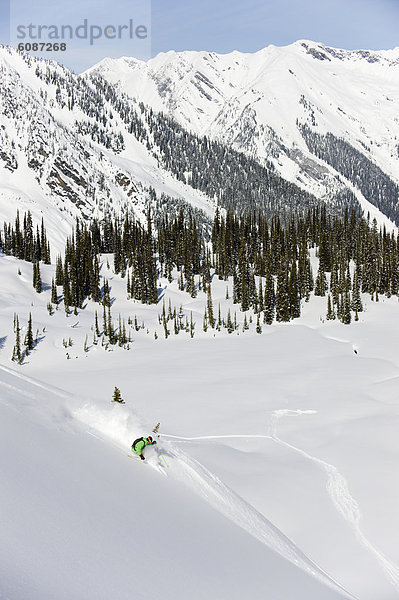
point(39, 339)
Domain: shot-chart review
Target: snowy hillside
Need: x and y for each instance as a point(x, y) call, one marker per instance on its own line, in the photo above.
point(80, 518)
point(255, 102)
point(281, 450)
point(255, 322)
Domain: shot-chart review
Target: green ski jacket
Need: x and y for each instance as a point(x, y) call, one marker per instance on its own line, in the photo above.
point(139, 445)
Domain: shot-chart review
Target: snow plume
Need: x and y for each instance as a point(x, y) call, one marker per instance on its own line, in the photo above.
point(115, 423)
point(121, 426)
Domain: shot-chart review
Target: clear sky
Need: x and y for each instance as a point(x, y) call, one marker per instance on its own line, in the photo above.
point(217, 25)
point(225, 25)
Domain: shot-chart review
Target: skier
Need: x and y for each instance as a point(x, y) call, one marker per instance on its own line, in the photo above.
point(139, 445)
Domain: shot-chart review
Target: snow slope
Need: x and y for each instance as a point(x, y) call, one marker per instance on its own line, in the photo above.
point(282, 451)
point(80, 520)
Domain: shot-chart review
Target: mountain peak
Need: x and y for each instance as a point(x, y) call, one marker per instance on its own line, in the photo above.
point(255, 102)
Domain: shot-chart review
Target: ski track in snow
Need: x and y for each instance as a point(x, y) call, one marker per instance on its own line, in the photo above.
point(338, 490)
point(206, 484)
point(337, 486)
point(236, 508)
point(212, 437)
point(226, 501)
point(52, 390)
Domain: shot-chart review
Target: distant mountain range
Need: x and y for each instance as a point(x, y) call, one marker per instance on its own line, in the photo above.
point(280, 130)
point(260, 104)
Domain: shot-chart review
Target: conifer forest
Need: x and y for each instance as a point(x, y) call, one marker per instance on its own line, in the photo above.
point(267, 266)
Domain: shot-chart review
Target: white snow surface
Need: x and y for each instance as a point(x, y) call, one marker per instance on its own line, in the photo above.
point(281, 455)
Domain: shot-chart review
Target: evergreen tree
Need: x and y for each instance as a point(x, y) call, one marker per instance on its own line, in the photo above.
point(117, 396)
point(165, 327)
point(345, 311)
point(66, 290)
point(269, 302)
point(191, 325)
point(282, 293)
point(330, 310)
point(96, 326)
point(37, 280)
point(258, 325)
point(54, 294)
point(205, 321)
point(229, 323)
point(176, 325)
point(110, 327)
point(59, 272)
point(260, 296)
point(17, 354)
point(356, 303)
point(321, 283)
point(209, 305)
point(334, 286)
point(29, 334)
point(105, 321)
point(293, 290)
point(219, 321)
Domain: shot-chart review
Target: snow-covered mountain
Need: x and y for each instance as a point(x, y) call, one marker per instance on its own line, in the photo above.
point(65, 150)
point(263, 104)
point(76, 146)
point(85, 145)
point(280, 439)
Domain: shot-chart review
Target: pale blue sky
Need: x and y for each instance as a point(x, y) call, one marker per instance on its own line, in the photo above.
point(224, 25)
point(218, 25)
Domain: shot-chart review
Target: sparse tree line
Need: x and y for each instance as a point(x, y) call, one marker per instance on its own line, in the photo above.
point(267, 265)
point(22, 348)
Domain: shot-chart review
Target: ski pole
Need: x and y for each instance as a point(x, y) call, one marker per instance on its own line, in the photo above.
point(162, 456)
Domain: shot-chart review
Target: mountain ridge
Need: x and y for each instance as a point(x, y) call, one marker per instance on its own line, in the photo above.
point(84, 145)
point(254, 102)
point(78, 146)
